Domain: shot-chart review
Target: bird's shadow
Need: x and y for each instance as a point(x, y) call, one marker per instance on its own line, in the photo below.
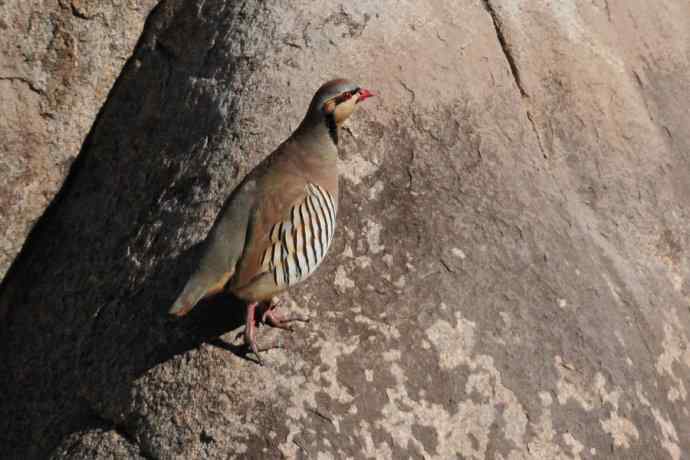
point(136, 334)
point(212, 318)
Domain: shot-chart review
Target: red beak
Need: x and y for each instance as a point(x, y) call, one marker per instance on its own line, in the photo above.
point(364, 94)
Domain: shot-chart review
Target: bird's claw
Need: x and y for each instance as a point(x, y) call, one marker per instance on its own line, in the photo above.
point(270, 317)
point(275, 319)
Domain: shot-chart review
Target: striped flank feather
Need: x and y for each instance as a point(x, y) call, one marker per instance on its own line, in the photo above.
point(299, 244)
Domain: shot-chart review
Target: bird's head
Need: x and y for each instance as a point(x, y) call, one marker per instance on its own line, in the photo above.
point(337, 99)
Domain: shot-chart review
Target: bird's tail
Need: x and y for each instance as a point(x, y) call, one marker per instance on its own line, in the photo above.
point(199, 286)
point(192, 293)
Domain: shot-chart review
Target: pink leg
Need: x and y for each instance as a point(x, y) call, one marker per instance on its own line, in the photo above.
point(270, 317)
point(272, 305)
point(250, 330)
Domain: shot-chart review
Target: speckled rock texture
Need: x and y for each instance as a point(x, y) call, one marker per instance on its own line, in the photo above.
point(58, 60)
point(509, 278)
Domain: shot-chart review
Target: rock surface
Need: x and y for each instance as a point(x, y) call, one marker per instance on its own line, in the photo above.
point(58, 61)
point(509, 278)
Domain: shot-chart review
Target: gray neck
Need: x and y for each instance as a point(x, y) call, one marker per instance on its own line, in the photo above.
point(318, 136)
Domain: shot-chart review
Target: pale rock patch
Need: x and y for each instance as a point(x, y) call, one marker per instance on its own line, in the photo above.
point(640, 394)
point(458, 253)
point(454, 344)
point(342, 280)
point(576, 447)
point(668, 431)
point(621, 430)
point(572, 385)
point(363, 262)
point(400, 283)
point(355, 169)
point(373, 235)
point(676, 351)
point(375, 190)
point(387, 330)
point(347, 252)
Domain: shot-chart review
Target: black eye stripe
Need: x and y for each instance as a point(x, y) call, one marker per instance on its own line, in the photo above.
point(342, 98)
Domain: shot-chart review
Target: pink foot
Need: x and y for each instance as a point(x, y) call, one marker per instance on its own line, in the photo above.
point(274, 319)
point(270, 317)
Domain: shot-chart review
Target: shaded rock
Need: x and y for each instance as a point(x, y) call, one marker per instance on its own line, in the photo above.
point(57, 64)
point(96, 443)
point(509, 278)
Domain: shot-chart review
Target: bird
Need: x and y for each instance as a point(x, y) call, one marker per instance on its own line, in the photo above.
point(275, 228)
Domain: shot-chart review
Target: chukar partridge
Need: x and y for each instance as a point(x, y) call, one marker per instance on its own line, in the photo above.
point(275, 228)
